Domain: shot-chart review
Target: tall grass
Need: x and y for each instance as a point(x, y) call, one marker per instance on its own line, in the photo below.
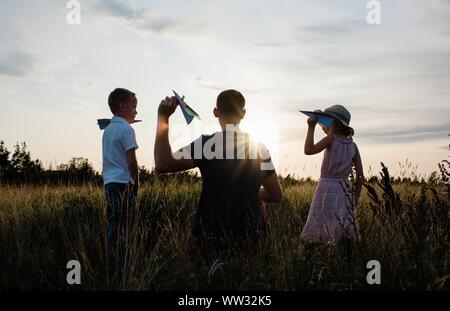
point(404, 226)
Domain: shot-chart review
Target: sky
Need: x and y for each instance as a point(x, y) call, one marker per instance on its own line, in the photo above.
point(286, 55)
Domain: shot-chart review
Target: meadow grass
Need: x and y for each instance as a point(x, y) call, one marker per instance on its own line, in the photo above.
point(43, 227)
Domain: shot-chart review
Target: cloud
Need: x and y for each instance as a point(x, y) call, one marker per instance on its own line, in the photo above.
point(406, 135)
point(434, 14)
point(343, 28)
point(416, 45)
point(208, 84)
point(16, 64)
point(147, 21)
point(139, 19)
point(272, 44)
point(118, 9)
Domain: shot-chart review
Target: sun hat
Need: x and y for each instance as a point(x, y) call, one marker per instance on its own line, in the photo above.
point(326, 117)
point(323, 119)
point(339, 112)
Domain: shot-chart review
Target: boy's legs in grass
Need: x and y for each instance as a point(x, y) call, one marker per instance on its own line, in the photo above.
point(220, 254)
point(213, 248)
point(120, 206)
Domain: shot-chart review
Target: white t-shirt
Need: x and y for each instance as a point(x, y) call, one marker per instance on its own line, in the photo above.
point(118, 138)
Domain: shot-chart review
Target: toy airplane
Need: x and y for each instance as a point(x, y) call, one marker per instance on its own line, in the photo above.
point(322, 118)
point(188, 112)
point(103, 123)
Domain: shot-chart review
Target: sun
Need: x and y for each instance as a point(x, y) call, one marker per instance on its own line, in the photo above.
point(263, 132)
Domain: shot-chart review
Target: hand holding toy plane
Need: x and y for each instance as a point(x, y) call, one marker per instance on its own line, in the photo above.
point(188, 113)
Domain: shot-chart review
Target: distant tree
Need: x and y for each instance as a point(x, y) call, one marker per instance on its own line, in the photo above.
point(78, 169)
point(5, 163)
point(21, 158)
point(144, 174)
point(82, 165)
point(22, 168)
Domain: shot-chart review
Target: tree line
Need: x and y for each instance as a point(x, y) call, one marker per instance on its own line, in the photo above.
point(18, 167)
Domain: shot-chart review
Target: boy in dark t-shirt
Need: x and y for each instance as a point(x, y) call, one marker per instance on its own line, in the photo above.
point(233, 169)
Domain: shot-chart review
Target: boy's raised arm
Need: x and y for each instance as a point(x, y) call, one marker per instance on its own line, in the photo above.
point(164, 160)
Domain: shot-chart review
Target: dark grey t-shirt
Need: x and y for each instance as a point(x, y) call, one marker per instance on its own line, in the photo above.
point(232, 173)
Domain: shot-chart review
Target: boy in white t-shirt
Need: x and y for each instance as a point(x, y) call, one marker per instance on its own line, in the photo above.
point(120, 174)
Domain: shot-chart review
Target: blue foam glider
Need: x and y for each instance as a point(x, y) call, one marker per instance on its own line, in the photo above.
point(322, 118)
point(103, 123)
point(188, 112)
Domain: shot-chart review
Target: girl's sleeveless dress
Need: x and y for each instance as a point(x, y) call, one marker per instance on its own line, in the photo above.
point(331, 215)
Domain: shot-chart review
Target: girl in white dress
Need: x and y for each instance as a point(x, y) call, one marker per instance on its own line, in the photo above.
point(331, 215)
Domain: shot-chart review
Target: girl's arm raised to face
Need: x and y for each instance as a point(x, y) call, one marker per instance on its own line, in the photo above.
point(310, 147)
point(359, 174)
